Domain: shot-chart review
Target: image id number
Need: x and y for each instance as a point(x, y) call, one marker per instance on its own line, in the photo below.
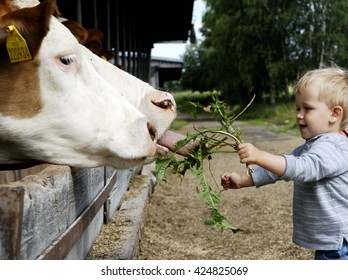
point(221, 270)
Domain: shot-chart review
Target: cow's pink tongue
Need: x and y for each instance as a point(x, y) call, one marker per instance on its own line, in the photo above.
point(169, 140)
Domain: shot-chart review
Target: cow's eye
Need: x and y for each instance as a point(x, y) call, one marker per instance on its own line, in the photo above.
point(67, 59)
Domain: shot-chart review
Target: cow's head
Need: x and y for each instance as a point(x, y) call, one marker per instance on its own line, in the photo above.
point(68, 106)
point(149, 101)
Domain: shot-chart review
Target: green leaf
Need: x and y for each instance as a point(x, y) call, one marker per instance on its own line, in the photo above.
point(218, 221)
point(193, 107)
point(208, 141)
point(162, 165)
point(185, 141)
point(211, 198)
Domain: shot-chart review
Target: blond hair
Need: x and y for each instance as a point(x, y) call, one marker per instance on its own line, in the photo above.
point(333, 88)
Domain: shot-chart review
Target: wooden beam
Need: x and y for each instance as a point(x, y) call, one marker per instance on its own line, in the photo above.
point(11, 213)
point(61, 247)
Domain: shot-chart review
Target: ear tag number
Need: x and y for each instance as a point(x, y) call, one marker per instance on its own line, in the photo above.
point(17, 47)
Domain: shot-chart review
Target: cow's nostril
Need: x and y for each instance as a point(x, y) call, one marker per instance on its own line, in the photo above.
point(164, 104)
point(153, 131)
point(164, 100)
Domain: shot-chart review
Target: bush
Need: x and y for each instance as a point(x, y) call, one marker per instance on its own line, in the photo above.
point(203, 98)
point(282, 115)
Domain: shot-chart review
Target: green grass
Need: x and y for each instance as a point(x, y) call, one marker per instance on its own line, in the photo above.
point(280, 117)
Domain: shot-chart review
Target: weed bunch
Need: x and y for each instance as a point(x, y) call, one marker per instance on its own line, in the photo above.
point(207, 142)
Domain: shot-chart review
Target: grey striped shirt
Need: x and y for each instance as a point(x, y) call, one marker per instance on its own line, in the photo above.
point(319, 169)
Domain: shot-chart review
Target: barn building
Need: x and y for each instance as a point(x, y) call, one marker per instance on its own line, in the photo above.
point(132, 27)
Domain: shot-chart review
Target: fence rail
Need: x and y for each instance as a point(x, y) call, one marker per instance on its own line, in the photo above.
point(59, 212)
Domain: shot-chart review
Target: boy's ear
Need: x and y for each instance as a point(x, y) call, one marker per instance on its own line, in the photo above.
point(337, 114)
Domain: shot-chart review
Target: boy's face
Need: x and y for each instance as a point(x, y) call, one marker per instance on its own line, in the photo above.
point(313, 116)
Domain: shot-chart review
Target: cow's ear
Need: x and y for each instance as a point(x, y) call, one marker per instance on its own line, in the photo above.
point(32, 23)
point(77, 30)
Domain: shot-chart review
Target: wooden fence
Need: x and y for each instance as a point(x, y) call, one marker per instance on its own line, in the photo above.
point(59, 212)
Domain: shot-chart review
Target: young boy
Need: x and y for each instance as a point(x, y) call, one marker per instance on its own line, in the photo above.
point(319, 168)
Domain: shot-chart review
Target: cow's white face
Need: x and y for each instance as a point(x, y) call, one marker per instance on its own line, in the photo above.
point(68, 106)
point(157, 105)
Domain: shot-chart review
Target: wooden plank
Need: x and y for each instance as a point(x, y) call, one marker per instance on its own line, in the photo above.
point(11, 213)
point(121, 187)
point(83, 245)
point(63, 210)
point(53, 200)
point(149, 170)
point(62, 246)
point(6, 177)
point(120, 238)
point(9, 176)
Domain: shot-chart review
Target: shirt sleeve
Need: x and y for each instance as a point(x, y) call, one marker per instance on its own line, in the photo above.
point(263, 177)
point(323, 160)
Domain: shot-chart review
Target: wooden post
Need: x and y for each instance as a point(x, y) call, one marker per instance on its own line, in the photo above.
point(11, 215)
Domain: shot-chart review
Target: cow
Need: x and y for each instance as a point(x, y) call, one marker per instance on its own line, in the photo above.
point(66, 105)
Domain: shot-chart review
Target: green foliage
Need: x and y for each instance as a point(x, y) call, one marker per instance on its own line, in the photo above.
point(280, 117)
point(262, 46)
point(194, 76)
point(203, 98)
point(208, 141)
point(171, 86)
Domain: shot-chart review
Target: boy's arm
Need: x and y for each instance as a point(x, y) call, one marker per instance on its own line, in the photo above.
point(249, 154)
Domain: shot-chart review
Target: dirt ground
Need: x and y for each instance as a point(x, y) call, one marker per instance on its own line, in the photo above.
point(174, 226)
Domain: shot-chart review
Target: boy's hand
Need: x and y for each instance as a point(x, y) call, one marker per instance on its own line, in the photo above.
point(236, 181)
point(230, 180)
point(248, 153)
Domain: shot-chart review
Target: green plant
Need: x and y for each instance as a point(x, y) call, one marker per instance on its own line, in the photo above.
point(207, 142)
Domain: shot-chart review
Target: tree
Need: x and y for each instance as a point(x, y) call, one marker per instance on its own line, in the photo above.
point(262, 46)
point(195, 70)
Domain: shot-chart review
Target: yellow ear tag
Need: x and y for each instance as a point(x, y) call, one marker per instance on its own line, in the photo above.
point(17, 47)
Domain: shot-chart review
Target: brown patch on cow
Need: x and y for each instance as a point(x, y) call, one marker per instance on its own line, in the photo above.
point(19, 88)
point(32, 23)
point(6, 7)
